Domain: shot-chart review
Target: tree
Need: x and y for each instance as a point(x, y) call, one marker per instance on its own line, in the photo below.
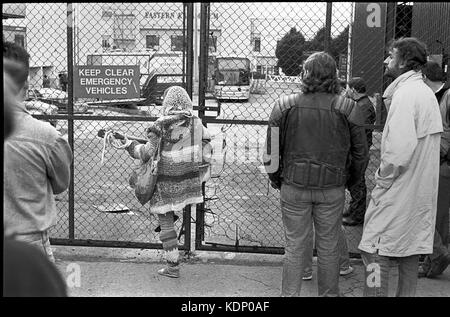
point(318, 42)
point(289, 52)
point(292, 47)
point(339, 45)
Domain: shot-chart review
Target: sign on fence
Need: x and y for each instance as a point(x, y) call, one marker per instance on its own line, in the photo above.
point(284, 79)
point(106, 82)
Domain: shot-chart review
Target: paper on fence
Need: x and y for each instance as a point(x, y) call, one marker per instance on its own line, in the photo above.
point(218, 143)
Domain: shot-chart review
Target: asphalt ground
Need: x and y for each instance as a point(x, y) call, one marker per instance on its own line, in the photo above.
point(133, 273)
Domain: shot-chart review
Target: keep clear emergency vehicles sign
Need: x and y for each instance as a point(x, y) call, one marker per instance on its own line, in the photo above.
point(106, 82)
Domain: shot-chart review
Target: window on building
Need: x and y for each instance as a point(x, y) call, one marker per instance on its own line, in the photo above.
point(257, 44)
point(152, 41)
point(124, 28)
point(259, 69)
point(212, 43)
point(19, 39)
point(177, 42)
point(108, 13)
point(94, 60)
point(106, 41)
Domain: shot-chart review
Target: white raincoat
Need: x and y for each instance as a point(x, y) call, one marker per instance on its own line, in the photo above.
point(401, 215)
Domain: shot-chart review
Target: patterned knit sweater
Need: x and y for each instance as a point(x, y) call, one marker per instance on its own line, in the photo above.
point(185, 149)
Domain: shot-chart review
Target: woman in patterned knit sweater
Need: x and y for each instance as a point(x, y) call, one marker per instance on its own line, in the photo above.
point(185, 148)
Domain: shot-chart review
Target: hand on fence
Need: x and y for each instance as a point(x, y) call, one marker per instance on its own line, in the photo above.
point(125, 142)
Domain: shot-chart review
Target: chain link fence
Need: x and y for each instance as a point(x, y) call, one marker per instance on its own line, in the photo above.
point(270, 41)
point(259, 47)
point(100, 208)
point(237, 59)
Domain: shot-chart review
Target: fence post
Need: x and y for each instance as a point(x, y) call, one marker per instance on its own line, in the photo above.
point(328, 27)
point(202, 85)
point(70, 118)
point(189, 47)
point(203, 65)
point(187, 228)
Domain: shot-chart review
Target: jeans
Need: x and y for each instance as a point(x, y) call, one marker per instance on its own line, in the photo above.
point(344, 259)
point(376, 278)
point(39, 240)
point(300, 208)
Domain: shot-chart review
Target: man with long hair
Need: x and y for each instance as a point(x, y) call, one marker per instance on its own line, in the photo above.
point(311, 136)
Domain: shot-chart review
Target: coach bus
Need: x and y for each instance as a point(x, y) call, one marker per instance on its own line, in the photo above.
point(232, 78)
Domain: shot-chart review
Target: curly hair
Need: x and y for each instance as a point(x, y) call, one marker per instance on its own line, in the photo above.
point(411, 51)
point(320, 74)
point(433, 71)
point(358, 84)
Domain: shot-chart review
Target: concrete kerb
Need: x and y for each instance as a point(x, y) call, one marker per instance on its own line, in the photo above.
point(101, 254)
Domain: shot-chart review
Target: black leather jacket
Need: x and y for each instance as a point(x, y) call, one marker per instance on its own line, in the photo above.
point(315, 141)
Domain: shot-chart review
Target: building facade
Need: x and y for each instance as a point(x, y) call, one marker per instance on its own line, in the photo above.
point(236, 29)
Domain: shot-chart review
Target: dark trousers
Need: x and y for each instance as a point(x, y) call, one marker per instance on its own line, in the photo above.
point(357, 208)
point(434, 263)
point(443, 209)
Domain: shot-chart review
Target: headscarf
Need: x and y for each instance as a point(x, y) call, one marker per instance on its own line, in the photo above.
point(177, 114)
point(176, 101)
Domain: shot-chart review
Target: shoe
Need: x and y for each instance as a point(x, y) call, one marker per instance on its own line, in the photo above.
point(346, 271)
point(307, 276)
point(170, 271)
point(351, 222)
point(175, 218)
point(422, 272)
point(439, 265)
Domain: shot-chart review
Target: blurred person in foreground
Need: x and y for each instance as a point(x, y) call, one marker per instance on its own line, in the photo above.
point(400, 219)
point(354, 216)
point(309, 139)
point(436, 263)
point(26, 270)
point(36, 166)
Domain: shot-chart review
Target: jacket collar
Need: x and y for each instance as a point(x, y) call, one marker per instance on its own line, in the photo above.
point(397, 83)
point(20, 107)
point(361, 97)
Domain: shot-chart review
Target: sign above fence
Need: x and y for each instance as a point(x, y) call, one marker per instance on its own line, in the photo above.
point(106, 82)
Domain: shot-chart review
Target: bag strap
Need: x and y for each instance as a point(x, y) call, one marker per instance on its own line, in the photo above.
point(157, 154)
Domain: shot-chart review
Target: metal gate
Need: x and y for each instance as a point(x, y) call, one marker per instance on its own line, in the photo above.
point(99, 208)
point(241, 211)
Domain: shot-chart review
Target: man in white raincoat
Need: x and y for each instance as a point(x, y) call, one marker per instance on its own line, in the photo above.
point(400, 219)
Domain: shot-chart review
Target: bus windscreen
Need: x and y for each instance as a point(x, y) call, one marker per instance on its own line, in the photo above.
point(233, 64)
